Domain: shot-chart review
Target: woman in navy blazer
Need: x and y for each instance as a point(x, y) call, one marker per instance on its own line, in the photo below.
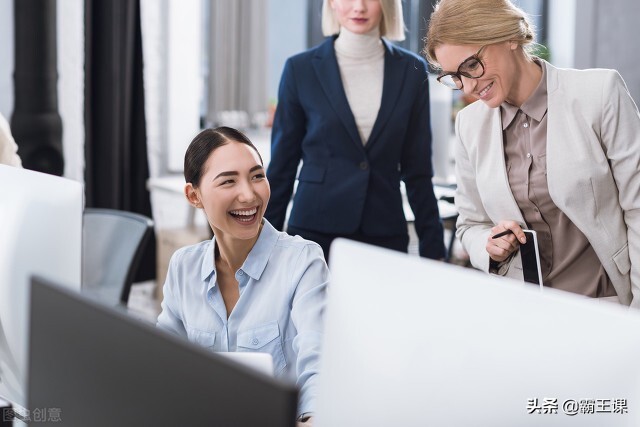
point(349, 182)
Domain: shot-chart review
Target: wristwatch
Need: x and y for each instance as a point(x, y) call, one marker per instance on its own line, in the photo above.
point(304, 417)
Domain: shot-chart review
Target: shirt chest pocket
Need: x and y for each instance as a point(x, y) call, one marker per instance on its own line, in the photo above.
point(202, 338)
point(264, 339)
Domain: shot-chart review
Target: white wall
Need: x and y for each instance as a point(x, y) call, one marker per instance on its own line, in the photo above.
point(184, 81)
point(606, 37)
point(154, 20)
point(562, 33)
point(70, 38)
point(596, 34)
point(287, 35)
point(172, 50)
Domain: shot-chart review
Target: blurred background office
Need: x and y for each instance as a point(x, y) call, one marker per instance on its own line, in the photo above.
point(126, 84)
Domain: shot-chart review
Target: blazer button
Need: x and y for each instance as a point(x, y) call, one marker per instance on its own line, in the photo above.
point(364, 166)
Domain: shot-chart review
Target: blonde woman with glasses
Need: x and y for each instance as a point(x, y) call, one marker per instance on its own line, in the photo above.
point(549, 149)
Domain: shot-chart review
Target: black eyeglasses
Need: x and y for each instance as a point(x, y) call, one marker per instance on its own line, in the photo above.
point(472, 68)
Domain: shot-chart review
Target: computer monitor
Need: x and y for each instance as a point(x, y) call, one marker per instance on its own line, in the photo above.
point(96, 366)
point(414, 342)
point(40, 233)
point(261, 362)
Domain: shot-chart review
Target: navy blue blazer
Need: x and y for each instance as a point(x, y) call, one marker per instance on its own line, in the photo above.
point(344, 186)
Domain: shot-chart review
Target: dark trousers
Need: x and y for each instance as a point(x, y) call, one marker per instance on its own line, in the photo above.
point(397, 243)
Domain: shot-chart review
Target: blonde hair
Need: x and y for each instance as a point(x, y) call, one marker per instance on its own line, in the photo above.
point(477, 22)
point(391, 26)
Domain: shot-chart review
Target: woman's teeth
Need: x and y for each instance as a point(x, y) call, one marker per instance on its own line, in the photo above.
point(244, 215)
point(484, 91)
point(245, 212)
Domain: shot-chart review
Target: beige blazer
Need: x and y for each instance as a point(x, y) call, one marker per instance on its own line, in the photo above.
point(8, 147)
point(593, 172)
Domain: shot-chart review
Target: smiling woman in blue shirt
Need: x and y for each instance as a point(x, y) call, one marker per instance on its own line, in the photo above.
point(250, 288)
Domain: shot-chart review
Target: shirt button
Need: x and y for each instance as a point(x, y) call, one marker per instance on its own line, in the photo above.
point(255, 341)
point(528, 155)
point(526, 125)
point(240, 272)
point(364, 165)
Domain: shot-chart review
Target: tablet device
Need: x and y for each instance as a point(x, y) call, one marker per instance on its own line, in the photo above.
point(531, 259)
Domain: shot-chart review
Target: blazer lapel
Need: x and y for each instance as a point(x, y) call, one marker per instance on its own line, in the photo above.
point(557, 141)
point(494, 172)
point(325, 65)
point(394, 71)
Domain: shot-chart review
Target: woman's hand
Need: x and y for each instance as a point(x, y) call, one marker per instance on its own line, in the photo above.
point(501, 248)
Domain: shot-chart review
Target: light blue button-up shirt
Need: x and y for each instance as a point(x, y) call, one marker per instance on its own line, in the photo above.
point(283, 285)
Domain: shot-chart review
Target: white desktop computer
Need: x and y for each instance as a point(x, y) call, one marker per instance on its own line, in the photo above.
point(40, 233)
point(414, 342)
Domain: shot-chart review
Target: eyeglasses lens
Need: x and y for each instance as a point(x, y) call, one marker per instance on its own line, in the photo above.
point(472, 67)
point(451, 81)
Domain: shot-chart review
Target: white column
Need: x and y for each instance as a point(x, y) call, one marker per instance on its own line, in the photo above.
point(6, 58)
point(70, 22)
point(184, 80)
point(441, 131)
point(562, 31)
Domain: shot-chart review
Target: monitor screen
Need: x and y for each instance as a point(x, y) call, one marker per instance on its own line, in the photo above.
point(415, 342)
point(40, 233)
point(93, 365)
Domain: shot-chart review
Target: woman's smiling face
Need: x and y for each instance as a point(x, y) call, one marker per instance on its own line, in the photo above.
point(497, 84)
point(233, 191)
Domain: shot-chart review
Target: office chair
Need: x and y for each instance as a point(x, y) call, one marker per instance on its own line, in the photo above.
point(112, 246)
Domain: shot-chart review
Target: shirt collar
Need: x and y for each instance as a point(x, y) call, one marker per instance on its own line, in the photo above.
point(208, 266)
point(535, 106)
point(257, 259)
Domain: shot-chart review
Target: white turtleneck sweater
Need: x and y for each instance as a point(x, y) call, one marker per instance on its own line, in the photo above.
point(361, 62)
